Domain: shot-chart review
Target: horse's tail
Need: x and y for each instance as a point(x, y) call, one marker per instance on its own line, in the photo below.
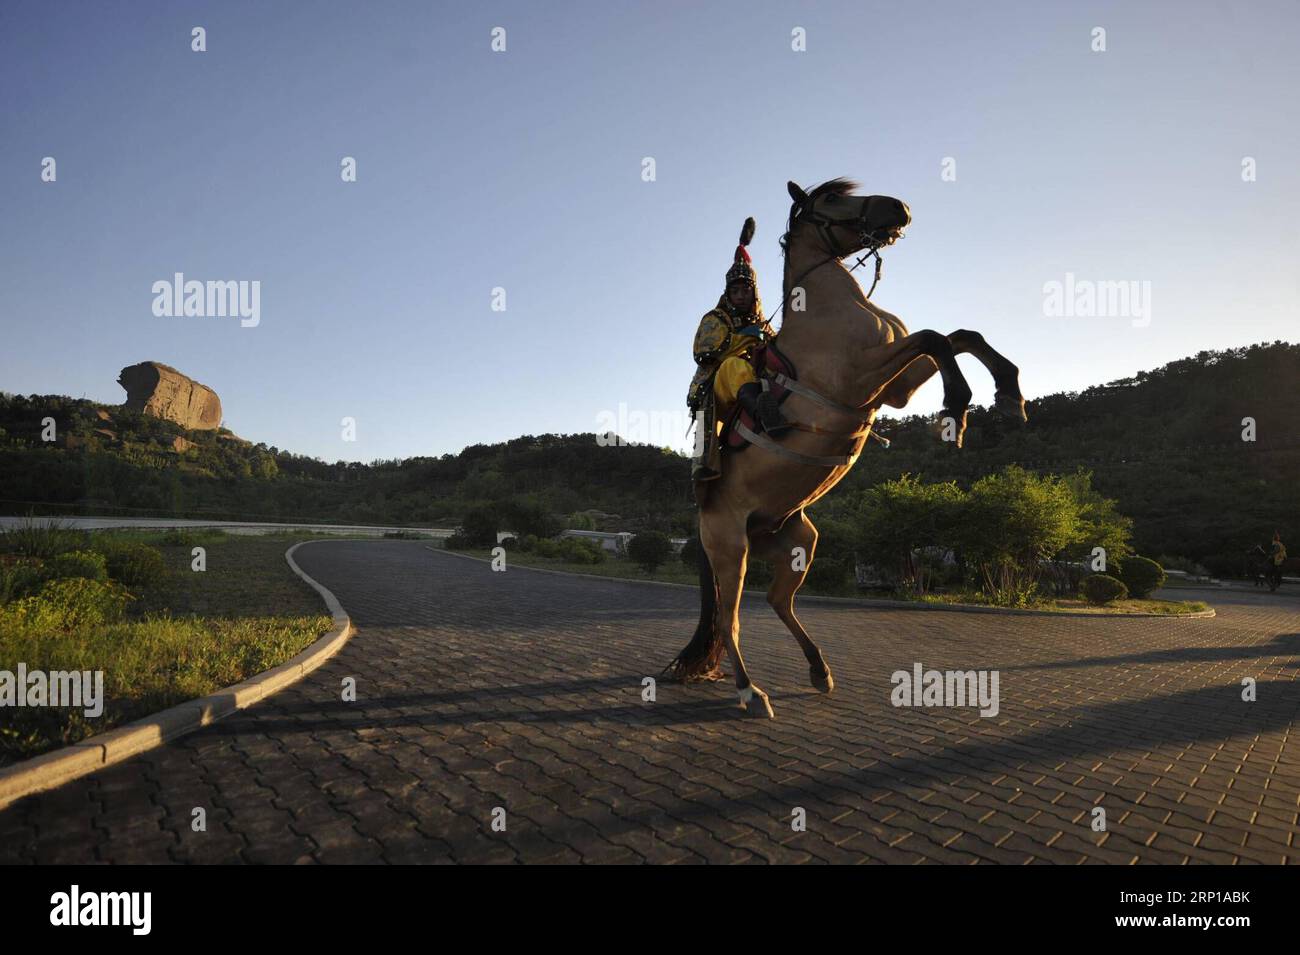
point(699, 659)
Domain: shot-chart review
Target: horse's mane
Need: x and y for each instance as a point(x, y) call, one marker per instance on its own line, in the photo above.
point(839, 186)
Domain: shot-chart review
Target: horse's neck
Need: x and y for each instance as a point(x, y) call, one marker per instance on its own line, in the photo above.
point(835, 326)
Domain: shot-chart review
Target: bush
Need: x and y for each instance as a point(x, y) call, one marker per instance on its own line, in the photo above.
point(132, 563)
point(827, 573)
point(650, 549)
point(1229, 564)
point(479, 528)
point(1013, 521)
point(1102, 589)
point(78, 563)
point(758, 573)
point(41, 537)
point(1185, 564)
point(897, 522)
point(578, 551)
point(1140, 575)
point(526, 517)
point(68, 605)
point(20, 577)
point(692, 553)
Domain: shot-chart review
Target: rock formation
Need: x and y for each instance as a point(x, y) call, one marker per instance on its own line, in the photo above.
point(164, 392)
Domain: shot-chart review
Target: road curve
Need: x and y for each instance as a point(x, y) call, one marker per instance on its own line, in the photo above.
point(518, 696)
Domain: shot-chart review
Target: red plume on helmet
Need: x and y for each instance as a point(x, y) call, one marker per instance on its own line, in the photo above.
point(742, 269)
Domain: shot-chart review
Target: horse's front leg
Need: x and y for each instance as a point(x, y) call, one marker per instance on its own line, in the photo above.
point(898, 358)
point(1007, 399)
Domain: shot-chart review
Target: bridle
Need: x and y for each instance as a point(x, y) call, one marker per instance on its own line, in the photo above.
point(803, 211)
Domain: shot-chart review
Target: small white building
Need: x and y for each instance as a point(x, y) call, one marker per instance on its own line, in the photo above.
point(613, 541)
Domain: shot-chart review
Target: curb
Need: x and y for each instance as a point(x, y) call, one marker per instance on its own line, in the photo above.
point(80, 759)
point(868, 601)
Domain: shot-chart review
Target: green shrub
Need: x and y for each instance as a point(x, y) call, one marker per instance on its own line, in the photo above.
point(479, 527)
point(758, 573)
point(692, 552)
point(527, 517)
point(650, 549)
point(1185, 564)
point(41, 537)
point(827, 573)
point(67, 605)
point(545, 547)
point(78, 563)
point(579, 551)
point(1102, 589)
point(1229, 564)
point(1140, 575)
point(130, 562)
point(20, 577)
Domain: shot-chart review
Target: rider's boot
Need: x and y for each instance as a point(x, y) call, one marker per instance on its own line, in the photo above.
point(763, 407)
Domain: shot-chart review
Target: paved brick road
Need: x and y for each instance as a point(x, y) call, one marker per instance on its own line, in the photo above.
point(523, 690)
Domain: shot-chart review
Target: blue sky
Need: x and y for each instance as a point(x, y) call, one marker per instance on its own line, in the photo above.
point(522, 170)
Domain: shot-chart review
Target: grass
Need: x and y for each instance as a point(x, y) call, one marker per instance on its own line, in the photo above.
point(187, 635)
point(1169, 608)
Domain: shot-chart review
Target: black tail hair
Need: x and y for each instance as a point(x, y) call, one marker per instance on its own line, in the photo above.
point(700, 657)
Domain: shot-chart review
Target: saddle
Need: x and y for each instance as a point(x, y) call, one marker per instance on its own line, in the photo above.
point(768, 362)
point(777, 374)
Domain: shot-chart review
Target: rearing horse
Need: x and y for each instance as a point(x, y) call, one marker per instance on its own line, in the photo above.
point(852, 357)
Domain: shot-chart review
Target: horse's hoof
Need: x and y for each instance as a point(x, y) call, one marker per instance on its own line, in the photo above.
point(751, 695)
point(823, 683)
point(1011, 407)
point(952, 426)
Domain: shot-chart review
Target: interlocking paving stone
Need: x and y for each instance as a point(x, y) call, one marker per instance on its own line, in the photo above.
point(522, 690)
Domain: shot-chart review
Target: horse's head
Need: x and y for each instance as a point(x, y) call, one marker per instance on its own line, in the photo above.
point(844, 223)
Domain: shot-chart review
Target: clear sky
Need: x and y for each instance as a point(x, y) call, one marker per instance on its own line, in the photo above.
point(523, 170)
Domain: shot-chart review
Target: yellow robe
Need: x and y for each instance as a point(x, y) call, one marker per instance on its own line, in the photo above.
point(722, 354)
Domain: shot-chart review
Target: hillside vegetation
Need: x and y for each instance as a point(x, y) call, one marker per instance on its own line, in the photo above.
point(1166, 445)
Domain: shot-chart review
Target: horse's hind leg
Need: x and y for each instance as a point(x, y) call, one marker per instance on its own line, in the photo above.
point(728, 550)
point(798, 532)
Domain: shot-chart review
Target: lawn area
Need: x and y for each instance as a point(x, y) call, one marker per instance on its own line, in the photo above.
point(1170, 608)
point(182, 634)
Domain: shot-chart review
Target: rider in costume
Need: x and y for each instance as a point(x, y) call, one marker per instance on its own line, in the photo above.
point(726, 339)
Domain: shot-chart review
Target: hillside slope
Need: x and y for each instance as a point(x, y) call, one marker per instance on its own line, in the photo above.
point(1167, 444)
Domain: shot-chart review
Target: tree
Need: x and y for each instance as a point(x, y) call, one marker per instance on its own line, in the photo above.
point(1012, 522)
point(650, 550)
point(897, 522)
point(1099, 525)
point(479, 528)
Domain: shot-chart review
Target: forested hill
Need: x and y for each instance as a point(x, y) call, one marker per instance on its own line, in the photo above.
point(1167, 444)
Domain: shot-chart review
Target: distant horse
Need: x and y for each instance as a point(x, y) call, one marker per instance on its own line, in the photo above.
point(851, 357)
point(1263, 570)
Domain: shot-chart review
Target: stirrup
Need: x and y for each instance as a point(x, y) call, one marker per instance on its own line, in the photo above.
point(769, 413)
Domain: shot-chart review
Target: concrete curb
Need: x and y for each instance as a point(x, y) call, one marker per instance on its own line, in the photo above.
point(53, 769)
point(868, 601)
